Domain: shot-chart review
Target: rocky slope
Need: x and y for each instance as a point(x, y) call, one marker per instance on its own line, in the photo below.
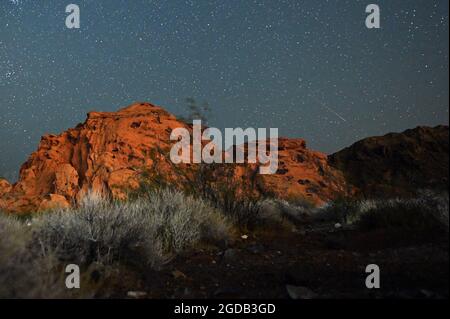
point(112, 151)
point(303, 173)
point(397, 163)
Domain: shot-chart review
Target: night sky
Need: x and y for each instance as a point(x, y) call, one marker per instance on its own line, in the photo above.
point(310, 68)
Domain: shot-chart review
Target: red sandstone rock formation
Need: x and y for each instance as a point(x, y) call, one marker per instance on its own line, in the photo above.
point(303, 173)
point(5, 186)
point(110, 153)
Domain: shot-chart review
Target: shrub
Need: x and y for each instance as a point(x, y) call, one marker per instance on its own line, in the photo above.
point(236, 196)
point(145, 231)
point(179, 221)
point(282, 211)
point(25, 272)
point(343, 210)
point(426, 216)
point(101, 233)
point(101, 237)
point(226, 187)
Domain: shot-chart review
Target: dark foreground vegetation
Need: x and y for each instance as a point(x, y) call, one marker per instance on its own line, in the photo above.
point(166, 244)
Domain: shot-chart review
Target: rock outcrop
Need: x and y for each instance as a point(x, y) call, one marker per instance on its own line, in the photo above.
point(5, 186)
point(106, 154)
point(112, 151)
point(397, 163)
point(304, 174)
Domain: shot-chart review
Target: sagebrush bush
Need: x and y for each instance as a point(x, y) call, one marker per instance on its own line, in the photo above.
point(341, 210)
point(25, 272)
point(148, 230)
point(426, 214)
point(220, 185)
point(101, 235)
point(282, 211)
point(181, 221)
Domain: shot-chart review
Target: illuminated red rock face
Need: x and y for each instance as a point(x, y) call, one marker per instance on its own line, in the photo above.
point(5, 186)
point(303, 173)
point(110, 151)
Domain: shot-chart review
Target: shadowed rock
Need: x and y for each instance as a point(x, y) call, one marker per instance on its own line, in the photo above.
point(397, 163)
